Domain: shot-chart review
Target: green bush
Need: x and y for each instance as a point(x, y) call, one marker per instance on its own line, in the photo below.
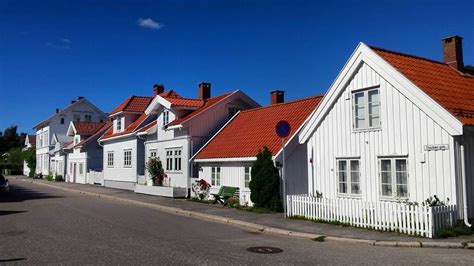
point(50, 177)
point(265, 183)
point(59, 178)
point(155, 170)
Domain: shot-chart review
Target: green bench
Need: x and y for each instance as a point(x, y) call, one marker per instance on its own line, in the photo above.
point(224, 194)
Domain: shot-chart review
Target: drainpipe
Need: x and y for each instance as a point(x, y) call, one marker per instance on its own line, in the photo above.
point(464, 195)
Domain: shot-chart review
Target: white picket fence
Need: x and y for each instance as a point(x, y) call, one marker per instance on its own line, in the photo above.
point(95, 178)
point(386, 216)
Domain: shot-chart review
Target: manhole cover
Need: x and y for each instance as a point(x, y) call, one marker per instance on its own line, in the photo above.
point(265, 250)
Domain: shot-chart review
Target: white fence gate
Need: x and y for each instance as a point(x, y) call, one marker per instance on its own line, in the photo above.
point(387, 216)
point(95, 178)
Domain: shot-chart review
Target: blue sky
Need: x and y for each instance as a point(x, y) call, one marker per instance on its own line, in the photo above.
point(54, 51)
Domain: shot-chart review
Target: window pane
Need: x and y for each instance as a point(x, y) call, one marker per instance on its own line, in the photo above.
point(386, 178)
point(387, 190)
point(401, 178)
point(401, 165)
point(342, 176)
point(374, 97)
point(386, 165)
point(359, 99)
point(342, 187)
point(355, 166)
point(342, 166)
point(355, 188)
point(402, 190)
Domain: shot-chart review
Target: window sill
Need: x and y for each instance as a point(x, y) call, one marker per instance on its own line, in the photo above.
point(349, 196)
point(354, 130)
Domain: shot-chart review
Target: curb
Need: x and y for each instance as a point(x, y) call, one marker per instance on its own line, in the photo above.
point(258, 227)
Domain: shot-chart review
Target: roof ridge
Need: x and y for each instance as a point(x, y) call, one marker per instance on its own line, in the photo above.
point(285, 103)
point(408, 55)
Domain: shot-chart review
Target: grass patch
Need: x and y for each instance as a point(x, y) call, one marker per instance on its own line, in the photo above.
point(459, 230)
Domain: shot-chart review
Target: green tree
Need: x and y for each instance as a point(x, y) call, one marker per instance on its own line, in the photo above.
point(9, 139)
point(29, 156)
point(265, 183)
point(155, 170)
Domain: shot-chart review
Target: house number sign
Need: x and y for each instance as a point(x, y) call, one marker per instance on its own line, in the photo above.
point(436, 147)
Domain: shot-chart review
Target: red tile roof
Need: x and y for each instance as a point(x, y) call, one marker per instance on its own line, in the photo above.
point(148, 126)
point(170, 93)
point(205, 104)
point(32, 140)
point(450, 88)
point(95, 134)
point(87, 128)
point(134, 104)
point(130, 129)
point(253, 129)
point(185, 101)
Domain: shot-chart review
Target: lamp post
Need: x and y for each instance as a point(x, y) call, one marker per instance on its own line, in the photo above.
point(283, 130)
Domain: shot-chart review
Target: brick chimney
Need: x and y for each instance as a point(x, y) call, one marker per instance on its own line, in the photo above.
point(277, 96)
point(204, 91)
point(157, 89)
point(452, 52)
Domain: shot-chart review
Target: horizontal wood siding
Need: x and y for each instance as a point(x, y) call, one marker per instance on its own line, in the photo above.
point(405, 130)
point(118, 172)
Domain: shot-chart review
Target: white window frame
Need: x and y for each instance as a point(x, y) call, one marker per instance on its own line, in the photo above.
point(393, 177)
point(166, 117)
point(81, 168)
point(118, 124)
point(110, 159)
point(153, 153)
point(349, 177)
point(127, 160)
point(247, 176)
point(174, 161)
point(216, 176)
point(366, 114)
point(88, 118)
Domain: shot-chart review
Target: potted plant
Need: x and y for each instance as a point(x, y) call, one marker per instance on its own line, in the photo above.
point(155, 170)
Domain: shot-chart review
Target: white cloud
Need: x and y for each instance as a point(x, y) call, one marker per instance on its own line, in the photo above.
point(149, 23)
point(63, 43)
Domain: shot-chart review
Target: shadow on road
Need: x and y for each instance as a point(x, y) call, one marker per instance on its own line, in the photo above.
point(19, 194)
point(2, 213)
point(12, 260)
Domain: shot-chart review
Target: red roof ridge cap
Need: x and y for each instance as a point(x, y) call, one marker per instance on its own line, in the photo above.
point(280, 104)
point(405, 54)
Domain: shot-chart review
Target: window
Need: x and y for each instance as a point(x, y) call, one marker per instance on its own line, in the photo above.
point(110, 159)
point(62, 120)
point(177, 160)
point(233, 111)
point(216, 176)
point(366, 109)
point(173, 155)
point(77, 139)
point(348, 176)
point(119, 124)
point(127, 158)
point(166, 117)
point(76, 117)
point(247, 176)
point(81, 168)
point(394, 177)
point(88, 118)
point(46, 139)
point(153, 153)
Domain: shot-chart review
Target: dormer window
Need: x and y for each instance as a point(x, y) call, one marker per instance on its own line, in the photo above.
point(88, 118)
point(166, 117)
point(77, 139)
point(119, 123)
point(62, 120)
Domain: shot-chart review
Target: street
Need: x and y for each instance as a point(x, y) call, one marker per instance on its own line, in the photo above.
point(41, 225)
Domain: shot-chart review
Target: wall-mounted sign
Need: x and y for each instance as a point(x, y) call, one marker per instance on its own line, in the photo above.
point(436, 147)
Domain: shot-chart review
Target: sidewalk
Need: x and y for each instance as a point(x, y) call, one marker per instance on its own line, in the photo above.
point(274, 221)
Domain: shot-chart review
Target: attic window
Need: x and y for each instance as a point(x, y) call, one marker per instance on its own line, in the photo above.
point(62, 120)
point(119, 124)
point(166, 117)
point(366, 109)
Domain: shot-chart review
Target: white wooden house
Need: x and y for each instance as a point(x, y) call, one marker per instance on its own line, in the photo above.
point(226, 159)
point(394, 127)
point(30, 142)
point(85, 157)
point(123, 152)
point(184, 125)
point(58, 155)
point(78, 110)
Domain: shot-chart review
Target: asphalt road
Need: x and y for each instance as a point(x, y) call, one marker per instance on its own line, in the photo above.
point(40, 225)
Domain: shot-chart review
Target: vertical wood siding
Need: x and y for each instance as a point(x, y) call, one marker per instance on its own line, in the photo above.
point(405, 130)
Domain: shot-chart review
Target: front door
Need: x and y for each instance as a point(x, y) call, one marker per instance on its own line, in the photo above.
point(74, 173)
